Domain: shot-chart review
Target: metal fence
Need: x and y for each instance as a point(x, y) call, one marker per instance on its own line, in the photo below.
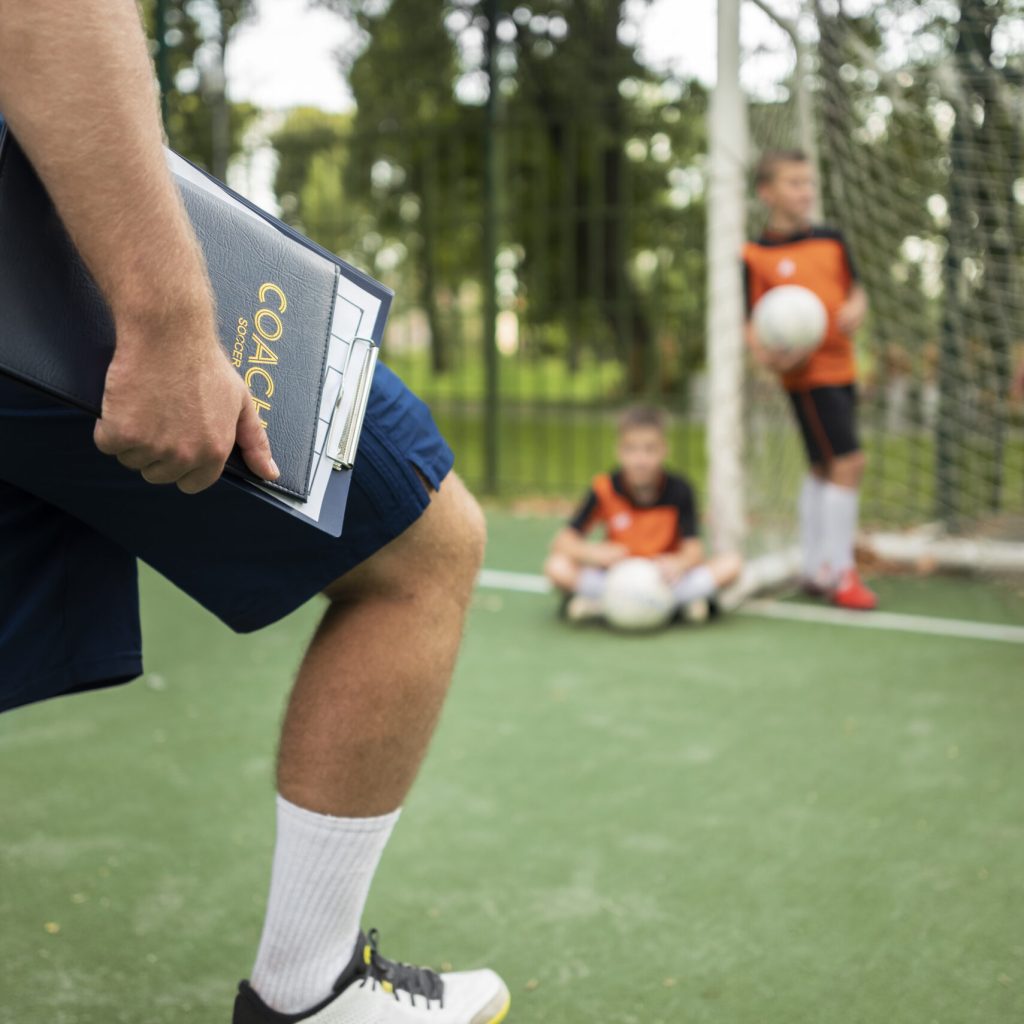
point(598, 291)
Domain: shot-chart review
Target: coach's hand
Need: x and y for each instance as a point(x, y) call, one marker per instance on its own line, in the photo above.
point(173, 406)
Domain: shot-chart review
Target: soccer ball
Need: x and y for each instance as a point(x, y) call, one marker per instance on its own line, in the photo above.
point(636, 597)
point(790, 318)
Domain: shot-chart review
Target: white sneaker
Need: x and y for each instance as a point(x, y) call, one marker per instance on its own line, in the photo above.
point(373, 990)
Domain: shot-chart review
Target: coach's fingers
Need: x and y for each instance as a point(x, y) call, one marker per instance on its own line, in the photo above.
point(199, 479)
point(254, 444)
point(107, 439)
point(135, 458)
point(167, 471)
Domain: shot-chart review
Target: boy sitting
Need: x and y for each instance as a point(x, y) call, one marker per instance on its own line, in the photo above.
point(646, 512)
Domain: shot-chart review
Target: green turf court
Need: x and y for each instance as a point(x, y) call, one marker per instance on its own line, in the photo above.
point(757, 822)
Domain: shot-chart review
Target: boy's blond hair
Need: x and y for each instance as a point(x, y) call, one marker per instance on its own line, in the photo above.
point(643, 416)
point(764, 173)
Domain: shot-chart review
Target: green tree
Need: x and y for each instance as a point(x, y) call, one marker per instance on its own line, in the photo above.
point(409, 134)
point(603, 142)
point(201, 123)
point(584, 193)
point(313, 149)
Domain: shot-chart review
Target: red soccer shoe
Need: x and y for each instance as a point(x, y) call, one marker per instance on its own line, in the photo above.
point(852, 593)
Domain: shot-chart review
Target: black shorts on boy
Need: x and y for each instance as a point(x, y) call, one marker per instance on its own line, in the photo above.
point(827, 417)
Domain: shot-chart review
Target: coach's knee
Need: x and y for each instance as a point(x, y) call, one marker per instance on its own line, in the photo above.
point(468, 528)
point(436, 559)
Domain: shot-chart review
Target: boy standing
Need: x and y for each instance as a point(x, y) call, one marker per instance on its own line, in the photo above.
point(822, 384)
point(646, 512)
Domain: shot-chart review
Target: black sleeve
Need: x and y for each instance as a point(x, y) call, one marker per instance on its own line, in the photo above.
point(580, 521)
point(680, 494)
point(688, 517)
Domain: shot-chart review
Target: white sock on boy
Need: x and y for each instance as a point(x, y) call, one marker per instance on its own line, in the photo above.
point(592, 582)
point(811, 527)
point(839, 508)
point(695, 584)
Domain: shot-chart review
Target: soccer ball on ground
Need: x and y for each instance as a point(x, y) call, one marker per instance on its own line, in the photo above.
point(790, 318)
point(636, 597)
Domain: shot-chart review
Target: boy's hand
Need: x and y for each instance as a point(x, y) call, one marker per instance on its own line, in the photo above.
point(851, 313)
point(779, 360)
point(606, 554)
point(675, 565)
point(788, 362)
point(672, 567)
point(772, 359)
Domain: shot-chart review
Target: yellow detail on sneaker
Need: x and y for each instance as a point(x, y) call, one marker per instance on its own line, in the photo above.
point(367, 953)
point(388, 987)
point(503, 1012)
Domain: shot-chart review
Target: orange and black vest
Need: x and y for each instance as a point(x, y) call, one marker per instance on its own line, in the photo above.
point(646, 530)
point(818, 259)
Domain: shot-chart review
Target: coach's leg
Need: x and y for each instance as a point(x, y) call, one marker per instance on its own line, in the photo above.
point(371, 686)
point(361, 714)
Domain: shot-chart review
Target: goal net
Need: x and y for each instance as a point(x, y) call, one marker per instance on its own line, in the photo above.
point(914, 115)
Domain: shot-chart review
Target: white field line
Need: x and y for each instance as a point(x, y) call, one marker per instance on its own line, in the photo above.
point(522, 582)
point(892, 621)
point(925, 625)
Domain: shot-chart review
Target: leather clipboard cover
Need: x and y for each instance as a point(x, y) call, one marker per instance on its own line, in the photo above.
point(275, 297)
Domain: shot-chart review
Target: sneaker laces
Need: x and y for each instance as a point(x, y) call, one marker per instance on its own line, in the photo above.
point(393, 976)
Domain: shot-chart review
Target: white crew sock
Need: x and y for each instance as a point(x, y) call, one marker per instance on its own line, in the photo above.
point(695, 584)
point(591, 582)
point(321, 877)
point(839, 528)
point(812, 493)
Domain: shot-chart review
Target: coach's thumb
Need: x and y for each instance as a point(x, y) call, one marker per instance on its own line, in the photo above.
point(254, 444)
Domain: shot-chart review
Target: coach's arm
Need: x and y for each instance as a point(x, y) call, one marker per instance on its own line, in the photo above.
point(76, 87)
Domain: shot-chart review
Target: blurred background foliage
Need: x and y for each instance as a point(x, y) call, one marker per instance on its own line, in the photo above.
point(599, 206)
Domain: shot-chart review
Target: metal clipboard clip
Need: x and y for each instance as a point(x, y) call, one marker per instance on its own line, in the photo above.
point(350, 406)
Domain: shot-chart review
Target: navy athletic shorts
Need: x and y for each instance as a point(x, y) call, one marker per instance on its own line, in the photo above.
point(74, 521)
point(827, 418)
